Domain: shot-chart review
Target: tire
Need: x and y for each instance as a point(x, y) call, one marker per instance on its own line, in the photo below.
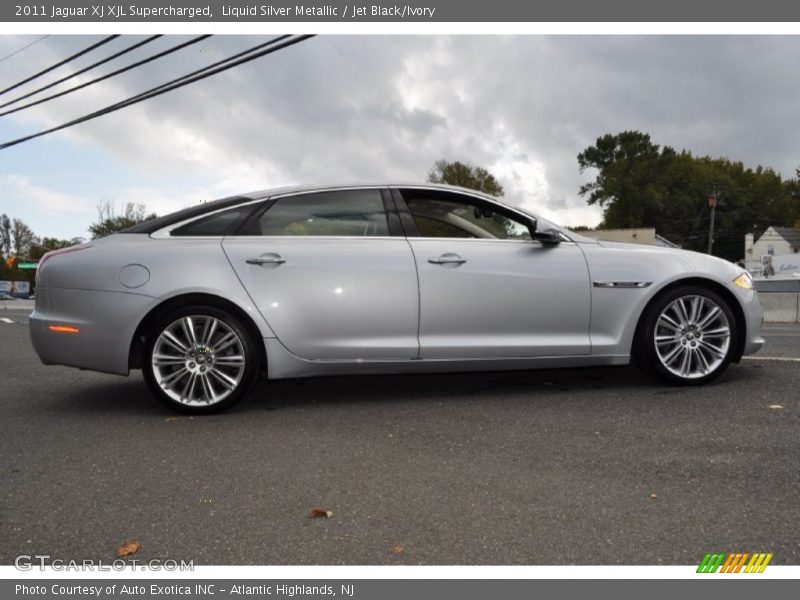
point(688, 336)
point(199, 360)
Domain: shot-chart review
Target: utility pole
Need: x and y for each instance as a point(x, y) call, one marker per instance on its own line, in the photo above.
point(712, 204)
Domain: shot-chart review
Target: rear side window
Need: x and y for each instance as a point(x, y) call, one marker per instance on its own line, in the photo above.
point(357, 213)
point(220, 223)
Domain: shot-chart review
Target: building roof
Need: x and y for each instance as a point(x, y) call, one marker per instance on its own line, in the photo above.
point(790, 234)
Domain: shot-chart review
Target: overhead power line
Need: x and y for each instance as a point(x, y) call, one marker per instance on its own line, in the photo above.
point(130, 48)
point(201, 70)
point(25, 47)
point(63, 62)
point(249, 55)
point(134, 65)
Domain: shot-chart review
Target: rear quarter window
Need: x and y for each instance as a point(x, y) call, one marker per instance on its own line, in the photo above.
point(220, 223)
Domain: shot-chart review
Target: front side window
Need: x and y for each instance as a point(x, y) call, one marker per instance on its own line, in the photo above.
point(358, 213)
point(452, 218)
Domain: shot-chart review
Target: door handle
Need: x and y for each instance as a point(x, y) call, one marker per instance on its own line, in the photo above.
point(266, 259)
point(448, 259)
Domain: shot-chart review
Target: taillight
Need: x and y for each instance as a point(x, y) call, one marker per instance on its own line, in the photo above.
point(53, 253)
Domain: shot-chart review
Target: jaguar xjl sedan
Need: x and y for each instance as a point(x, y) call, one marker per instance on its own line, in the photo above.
point(379, 279)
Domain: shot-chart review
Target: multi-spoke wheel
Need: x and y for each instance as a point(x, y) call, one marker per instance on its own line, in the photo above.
point(688, 336)
point(200, 359)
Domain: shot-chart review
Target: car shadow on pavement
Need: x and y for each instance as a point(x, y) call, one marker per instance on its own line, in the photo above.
point(130, 395)
point(624, 383)
point(449, 386)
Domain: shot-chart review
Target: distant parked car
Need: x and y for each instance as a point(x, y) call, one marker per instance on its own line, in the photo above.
point(4, 296)
point(379, 279)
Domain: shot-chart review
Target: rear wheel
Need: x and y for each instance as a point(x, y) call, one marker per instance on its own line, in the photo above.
point(688, 336)
point(200, 359)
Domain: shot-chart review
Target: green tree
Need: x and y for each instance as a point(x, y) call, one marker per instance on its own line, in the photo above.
point(111, 221)
point(16, 240)
point(640, 184)
point(5, 235)
point(628, 166)
point(465, 175)
point(47, 244)
point(22, 239)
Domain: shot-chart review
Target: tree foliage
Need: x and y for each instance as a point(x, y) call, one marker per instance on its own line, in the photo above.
point(16, 240)
point(5, 235)
point(640, 184)
point(111, 220)
point(46, 244)
point(465, 175)
point(22, 239)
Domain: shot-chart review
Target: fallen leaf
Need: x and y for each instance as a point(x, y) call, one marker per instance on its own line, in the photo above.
point(398, 549)
point(318, 513)
point(168, 419)
point(775, 406)
point(128, 547)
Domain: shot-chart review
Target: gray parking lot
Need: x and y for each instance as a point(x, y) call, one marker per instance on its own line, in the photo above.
point(581, 466)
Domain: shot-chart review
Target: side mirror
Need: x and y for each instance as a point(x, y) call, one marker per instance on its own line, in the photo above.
point(549, 237)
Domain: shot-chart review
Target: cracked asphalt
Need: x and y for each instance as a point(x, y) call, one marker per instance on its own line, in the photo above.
point(578, 466)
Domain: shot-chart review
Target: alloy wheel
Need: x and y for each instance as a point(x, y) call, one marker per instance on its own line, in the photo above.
point(198, 360)
point(692, 337)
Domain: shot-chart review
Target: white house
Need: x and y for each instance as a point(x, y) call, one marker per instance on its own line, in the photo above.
point(774, 241)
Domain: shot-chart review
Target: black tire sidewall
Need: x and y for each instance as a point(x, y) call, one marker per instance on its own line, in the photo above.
point(647, 357)
point(250, 350)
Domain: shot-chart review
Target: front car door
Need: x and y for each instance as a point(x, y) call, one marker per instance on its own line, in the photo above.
point(487, 289)
point(331, 275)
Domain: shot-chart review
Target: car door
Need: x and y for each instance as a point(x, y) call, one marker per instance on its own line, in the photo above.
point(329, 276)
point(487, 289)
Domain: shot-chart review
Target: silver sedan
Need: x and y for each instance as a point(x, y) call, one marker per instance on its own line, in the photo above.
point(379, 279)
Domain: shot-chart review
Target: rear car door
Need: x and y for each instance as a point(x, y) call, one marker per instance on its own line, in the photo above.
point(330, 273)
point(487, 289)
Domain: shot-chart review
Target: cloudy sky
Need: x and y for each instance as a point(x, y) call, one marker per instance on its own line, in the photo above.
point(378, 108)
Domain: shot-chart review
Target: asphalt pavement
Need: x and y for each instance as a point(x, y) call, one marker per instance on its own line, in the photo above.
point(577, 466)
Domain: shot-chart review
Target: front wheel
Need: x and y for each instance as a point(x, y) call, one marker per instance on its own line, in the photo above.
point(200, 359)
point(688, 336)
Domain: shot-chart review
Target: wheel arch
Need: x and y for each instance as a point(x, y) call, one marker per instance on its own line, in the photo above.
point(138, 343)
point(711, 285)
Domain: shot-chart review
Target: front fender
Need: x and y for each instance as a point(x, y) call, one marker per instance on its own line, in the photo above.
point(616, 311)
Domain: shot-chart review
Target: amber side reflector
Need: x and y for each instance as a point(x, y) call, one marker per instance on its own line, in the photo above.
point(63, 329)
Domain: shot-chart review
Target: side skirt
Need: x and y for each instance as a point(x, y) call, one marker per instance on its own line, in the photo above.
point(282, 364)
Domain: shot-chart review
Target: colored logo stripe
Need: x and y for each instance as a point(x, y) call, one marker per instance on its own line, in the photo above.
point(758, 563)
point(734, 562)
point(710, 563)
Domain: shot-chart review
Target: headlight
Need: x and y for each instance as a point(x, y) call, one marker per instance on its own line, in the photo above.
point(744, 281)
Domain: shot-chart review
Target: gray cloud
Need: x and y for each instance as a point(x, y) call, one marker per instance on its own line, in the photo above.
point(348, 108)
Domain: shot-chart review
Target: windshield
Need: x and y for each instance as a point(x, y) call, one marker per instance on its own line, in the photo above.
point(543, 224)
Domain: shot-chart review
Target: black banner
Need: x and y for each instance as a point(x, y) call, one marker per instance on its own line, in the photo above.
point(459, 11)
point(393, 589)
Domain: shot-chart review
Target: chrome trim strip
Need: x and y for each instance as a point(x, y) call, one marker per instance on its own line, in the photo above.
point(622, 284)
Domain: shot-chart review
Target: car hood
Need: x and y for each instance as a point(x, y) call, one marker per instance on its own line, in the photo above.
point(693, 260)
